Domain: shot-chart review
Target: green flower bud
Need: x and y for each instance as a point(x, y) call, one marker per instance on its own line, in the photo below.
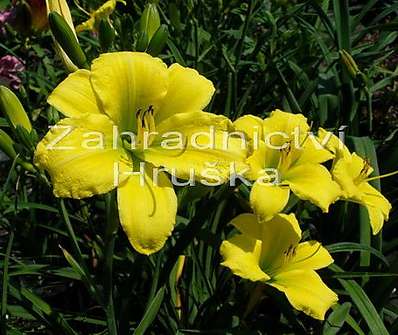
point(13, 109)
point(7, 145)
point(158, 41)
point(142, 42)
point(66, 38)
point(150, 19)
point(106, 34)
point(62, 8)
point(349, 63)
point(27, 139)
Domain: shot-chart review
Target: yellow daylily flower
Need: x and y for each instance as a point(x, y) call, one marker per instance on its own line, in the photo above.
point(270, 253)
point(286, 159)
point(137, 93)
point(352, 173)
point(102, 13)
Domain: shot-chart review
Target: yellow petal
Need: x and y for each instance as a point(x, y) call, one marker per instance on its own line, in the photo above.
point(346, 171)
point(310, 255)
point(306, 291)
point(268, 200)
point(251, 125)
point(74, 96)
point(198, 153)
point(187, 91)
point(261, 159)
point(106, 9)
point(341, 174)
point(311, 153)
point(248, 225)
point(86, 25)
point(81, 163)
point(126, 82)
point(377, 205)
point(102, 13)
point(280, 235)
point(286, 123)
point(313, 182)
point(357, 164)
point(332, 142)
point(147, 210)
point(241, 255)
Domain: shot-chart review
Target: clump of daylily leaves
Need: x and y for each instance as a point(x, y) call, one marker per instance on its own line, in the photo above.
point(139, 94)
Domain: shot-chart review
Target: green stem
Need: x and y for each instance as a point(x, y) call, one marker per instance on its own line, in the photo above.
point(240, 45)
point(155, 280)
point(71, 233)
point(110, 236)
point(77, 252)
point(5, 285)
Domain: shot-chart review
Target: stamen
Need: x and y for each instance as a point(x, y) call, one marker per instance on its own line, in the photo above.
point(140, 130)
point(151, 118)
point(289, 253)
point(145, 123)
point(309, 256)
point(284, 158)
point(382, 176)
point(364, 172)
point(307, 135)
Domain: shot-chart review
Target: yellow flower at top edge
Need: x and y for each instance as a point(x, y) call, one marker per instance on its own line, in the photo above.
point(137, 93)
point(286, 159)
point(102, 13)
point(352, 173)
point(270, 252)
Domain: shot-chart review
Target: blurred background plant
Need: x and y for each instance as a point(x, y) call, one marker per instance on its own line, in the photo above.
point(335, 61)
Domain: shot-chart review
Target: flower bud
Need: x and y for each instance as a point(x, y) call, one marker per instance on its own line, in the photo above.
point(106, 34)
point(158, 41)
point(7, 145)
point(27, 139)
point(13, 109)
point(349, 63)
point(66, 38)
point(61, 7)
point(150, 20)
point(38, 14)
point(142, 41)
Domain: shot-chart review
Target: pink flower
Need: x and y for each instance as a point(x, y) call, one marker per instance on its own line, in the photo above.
point(10, 67)
point(5, 16)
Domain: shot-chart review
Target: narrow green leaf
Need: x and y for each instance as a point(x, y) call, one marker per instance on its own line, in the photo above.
point(351, 246)
point(336, 319)
point(365, 148)
point(342, 22)
point(363, 303)
point(80, 271)
point(150, 313)
point(43, 307)
point(176, 52)
point(5, 284)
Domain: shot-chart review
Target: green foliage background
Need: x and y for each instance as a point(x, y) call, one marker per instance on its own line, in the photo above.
point(260, 55)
